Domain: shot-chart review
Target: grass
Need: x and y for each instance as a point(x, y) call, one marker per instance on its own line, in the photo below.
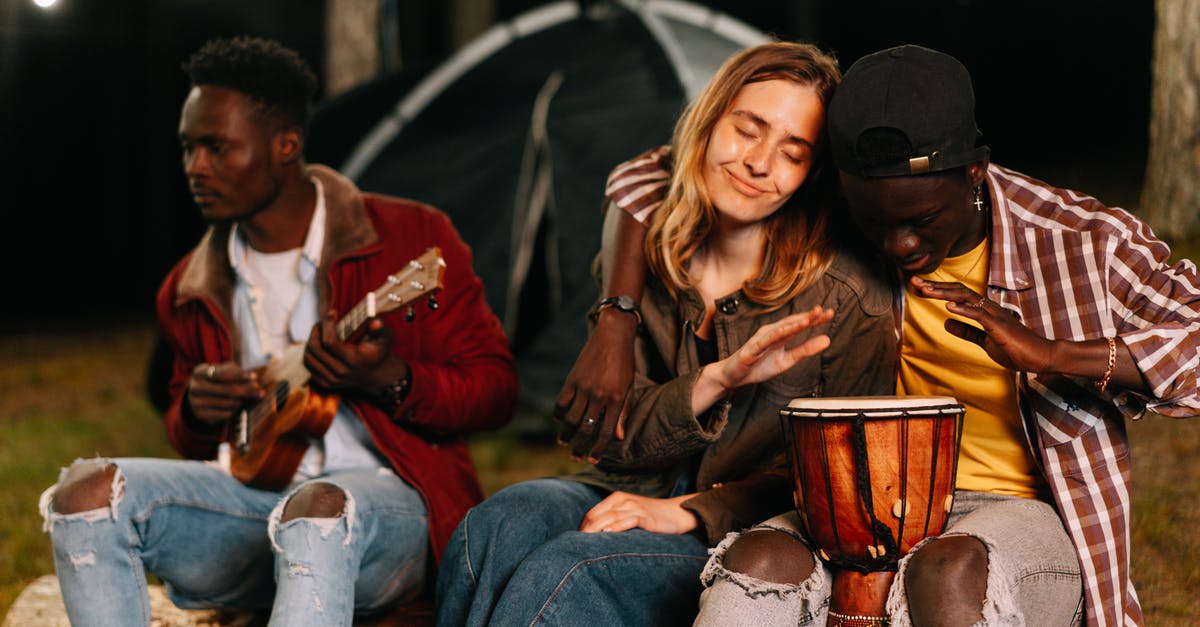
point(1166, 491)
point(80, 394)
point(65, 395)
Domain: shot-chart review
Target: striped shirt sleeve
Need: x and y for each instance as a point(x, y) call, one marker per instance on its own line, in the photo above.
point(1153, 306)
point(638, 186)
point(1156, 310)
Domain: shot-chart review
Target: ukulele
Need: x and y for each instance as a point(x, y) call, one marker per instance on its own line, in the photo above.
point(272, 434)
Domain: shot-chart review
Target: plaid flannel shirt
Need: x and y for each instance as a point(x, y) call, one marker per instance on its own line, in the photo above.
point(1073, 269)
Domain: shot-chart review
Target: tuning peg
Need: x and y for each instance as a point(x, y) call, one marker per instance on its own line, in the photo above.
point(409, 315)
point(433, 304)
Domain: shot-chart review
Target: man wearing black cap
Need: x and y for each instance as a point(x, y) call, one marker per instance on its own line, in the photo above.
point(1051, 317)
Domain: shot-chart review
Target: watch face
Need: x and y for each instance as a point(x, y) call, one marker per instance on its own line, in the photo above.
point(622, 303)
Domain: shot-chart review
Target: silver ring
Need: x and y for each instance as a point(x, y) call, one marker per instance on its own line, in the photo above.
point(590, 421)
point(211, 372)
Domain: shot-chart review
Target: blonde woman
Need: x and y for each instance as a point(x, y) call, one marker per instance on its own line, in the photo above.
point(744, 289)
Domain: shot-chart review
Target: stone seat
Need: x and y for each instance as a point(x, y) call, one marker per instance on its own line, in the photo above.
point(40, 603)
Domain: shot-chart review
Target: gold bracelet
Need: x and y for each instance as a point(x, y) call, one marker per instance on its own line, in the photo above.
point(1112, 362)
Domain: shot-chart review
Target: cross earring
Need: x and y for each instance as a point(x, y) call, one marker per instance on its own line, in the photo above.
point(978, 202)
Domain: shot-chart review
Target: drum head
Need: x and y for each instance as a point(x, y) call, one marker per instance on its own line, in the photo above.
point(874, 406)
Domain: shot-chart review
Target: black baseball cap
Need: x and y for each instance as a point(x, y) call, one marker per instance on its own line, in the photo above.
point(922, 101)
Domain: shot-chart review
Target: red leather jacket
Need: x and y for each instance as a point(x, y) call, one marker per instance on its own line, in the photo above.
point(463, 375)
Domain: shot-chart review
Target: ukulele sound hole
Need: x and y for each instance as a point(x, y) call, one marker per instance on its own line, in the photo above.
point(247, 422)
point(281, 394)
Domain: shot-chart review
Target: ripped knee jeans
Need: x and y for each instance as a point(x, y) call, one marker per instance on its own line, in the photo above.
point(217, 543)
point(1032, 571)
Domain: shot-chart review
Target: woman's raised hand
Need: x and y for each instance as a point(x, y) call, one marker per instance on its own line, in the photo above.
point(765, 355)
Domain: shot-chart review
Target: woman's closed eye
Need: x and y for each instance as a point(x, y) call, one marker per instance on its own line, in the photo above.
point(796, 156)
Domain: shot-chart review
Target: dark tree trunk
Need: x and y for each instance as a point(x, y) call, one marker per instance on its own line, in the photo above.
point(351, 44)
point(1170, 199)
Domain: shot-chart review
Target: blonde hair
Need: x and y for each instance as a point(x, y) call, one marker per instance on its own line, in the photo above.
point(797, 247)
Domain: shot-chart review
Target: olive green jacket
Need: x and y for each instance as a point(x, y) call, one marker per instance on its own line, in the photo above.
point(736, 448)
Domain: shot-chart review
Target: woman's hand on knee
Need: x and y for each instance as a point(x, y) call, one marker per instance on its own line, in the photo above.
point(621, 511)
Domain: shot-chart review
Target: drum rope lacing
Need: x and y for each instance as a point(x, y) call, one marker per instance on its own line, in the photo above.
point(879, 529)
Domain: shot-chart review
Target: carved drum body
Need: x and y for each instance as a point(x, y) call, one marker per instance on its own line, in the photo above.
point(873, 477)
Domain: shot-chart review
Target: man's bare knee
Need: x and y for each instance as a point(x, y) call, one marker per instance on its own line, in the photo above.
point(315, 500)
point(946, 581)
point(87, 485)
point(770, 555)
point(956, 558)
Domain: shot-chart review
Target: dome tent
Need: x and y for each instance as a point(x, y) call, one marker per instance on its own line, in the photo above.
point(514, 135)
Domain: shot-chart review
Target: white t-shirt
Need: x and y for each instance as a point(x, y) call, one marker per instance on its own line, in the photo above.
point(275, 305)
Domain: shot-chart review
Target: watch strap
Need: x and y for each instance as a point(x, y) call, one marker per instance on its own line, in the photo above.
point(620, 303)
point(394, 393)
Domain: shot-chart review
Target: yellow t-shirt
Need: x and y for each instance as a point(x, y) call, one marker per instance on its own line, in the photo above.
point(994, 456)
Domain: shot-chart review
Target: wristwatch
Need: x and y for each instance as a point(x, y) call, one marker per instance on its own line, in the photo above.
point(621, 303)
point(394, 394)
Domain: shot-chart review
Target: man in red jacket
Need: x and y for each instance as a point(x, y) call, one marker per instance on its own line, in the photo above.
point(348, 512)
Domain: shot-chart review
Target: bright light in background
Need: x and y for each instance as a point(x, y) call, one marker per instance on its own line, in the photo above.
point(45, 4)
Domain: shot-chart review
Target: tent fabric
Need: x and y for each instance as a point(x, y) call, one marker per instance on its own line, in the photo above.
point(514, 136)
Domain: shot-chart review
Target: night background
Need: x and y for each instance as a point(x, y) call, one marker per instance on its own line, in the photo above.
point(97, 209)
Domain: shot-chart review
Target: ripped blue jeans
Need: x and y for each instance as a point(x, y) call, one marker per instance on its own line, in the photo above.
point(217, 543)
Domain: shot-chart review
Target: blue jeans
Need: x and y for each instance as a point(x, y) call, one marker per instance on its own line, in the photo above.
point(519, 559)
point(217, 543)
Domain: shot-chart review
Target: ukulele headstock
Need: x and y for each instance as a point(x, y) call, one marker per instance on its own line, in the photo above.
point(421, 277)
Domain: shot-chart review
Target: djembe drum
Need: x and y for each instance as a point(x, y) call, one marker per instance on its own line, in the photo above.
point(874, 476)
